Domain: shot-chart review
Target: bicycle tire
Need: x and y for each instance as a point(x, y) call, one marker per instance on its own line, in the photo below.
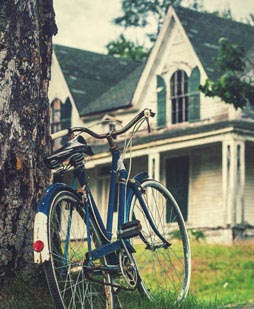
point(67, 279)
point(164, 272)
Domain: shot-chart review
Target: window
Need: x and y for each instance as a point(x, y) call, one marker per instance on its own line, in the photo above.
point(179, 85)
point(55, 116)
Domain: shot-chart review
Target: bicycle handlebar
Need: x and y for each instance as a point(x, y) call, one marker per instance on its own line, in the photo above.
point(144, 113)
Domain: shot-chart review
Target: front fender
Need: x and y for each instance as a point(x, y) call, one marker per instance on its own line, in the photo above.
point(41, 221)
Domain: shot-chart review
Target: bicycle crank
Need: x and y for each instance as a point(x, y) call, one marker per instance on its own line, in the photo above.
point(128, 269)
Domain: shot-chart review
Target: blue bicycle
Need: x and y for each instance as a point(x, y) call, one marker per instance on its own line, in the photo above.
point(86, 267)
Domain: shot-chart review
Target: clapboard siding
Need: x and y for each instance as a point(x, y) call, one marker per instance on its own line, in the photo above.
point(180, 52)
point(205, 199)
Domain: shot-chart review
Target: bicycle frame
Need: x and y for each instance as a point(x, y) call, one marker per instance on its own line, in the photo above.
point(126, 191)
point(117, 167)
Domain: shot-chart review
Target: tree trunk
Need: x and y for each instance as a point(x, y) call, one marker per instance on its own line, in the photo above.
point(26, 29)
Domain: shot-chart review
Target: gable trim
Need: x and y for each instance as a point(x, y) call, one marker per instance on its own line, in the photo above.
point(170, 20)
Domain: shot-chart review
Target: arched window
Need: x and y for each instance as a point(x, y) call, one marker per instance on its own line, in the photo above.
point(179, 96)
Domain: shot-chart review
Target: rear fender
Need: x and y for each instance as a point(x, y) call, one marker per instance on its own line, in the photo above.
point(41, 221)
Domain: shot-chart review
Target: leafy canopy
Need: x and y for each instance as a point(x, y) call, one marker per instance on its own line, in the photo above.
point(146, 14)
point(124, 48)
point(141, 13)
point(233, 86)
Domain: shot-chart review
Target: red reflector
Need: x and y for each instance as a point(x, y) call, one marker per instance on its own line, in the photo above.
point(38, 246)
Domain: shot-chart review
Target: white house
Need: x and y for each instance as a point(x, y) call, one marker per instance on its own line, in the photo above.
point(201, 148)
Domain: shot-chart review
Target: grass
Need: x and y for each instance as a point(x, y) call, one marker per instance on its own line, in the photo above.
point(223, 273)
point(222, 276)
point(20, 293)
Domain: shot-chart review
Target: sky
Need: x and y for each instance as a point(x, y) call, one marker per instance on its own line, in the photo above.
point(87, 24)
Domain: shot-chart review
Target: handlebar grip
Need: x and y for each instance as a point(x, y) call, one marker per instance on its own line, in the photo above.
point(59, 134)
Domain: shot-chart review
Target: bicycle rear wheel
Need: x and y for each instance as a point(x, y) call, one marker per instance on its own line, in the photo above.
point(163, 271)
point(68, 280)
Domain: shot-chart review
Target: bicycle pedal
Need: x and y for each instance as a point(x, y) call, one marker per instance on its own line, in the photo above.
point(130, 229)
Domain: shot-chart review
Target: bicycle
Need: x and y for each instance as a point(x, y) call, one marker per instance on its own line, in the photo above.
point(84, 265)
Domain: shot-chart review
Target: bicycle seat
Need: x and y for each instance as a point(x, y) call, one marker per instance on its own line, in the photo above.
point(72, 148)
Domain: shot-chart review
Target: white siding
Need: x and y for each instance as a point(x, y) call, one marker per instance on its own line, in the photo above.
point(205, 196)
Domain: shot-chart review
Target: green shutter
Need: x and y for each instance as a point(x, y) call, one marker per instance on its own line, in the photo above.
point(194, 104)
point(161, 101)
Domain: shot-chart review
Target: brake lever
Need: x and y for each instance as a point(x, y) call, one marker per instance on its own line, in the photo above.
point(148, 125)
point(148, 113)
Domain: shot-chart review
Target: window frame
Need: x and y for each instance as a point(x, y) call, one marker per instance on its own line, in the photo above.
point(179, 97)
point(55, 115)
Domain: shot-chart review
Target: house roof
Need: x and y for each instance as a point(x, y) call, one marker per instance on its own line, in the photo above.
point(100, 83)
point(204, 31)
point(96, 80)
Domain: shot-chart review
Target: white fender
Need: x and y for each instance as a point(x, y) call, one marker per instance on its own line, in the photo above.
point(40, 233)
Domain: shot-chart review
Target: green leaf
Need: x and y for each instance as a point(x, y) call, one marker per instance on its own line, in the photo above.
point(231, 86)
point(125, 48)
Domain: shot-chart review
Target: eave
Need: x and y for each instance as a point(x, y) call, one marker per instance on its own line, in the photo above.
point(195, 135)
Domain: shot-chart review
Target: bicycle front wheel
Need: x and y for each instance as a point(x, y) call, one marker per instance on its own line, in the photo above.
point(69, 280)
point(164, 270)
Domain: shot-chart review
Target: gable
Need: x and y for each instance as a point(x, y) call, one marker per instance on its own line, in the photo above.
point(189, 39)
point(172, 51)
point(204, 31)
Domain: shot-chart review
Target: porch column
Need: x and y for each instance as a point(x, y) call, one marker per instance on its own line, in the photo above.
point(233, 177)
point(154, 166)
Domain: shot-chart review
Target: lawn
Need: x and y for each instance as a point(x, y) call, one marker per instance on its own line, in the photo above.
point(223, 273)
point(222, 276)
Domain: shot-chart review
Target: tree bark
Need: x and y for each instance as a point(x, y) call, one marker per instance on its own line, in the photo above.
point(26, 29)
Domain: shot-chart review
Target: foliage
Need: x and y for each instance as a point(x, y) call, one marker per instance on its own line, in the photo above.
point(141, 13)
point(250, 19)
point(198, 234)
point(226, 13)
point(233, 86)
point(149, 15)
point(124, 48)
